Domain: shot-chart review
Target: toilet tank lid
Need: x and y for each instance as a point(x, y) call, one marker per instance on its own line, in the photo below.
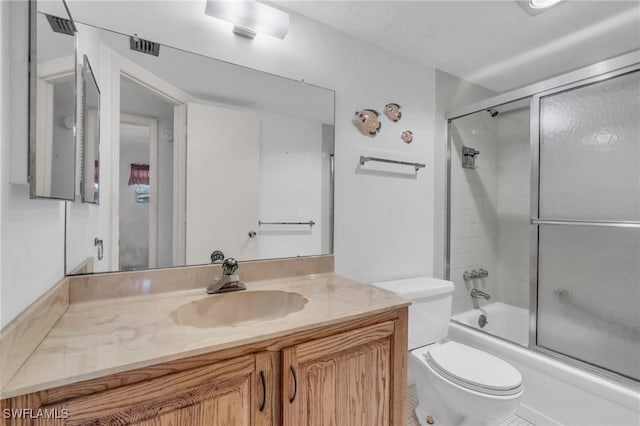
point(416, 287)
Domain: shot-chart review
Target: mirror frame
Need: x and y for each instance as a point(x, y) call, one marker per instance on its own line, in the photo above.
point(86, 167)
point(32, 109)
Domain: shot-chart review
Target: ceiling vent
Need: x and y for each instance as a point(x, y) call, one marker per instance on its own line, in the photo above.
point(60, 25)
point(144, 46)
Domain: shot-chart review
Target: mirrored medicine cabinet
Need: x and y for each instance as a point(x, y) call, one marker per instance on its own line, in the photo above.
point(52, 103)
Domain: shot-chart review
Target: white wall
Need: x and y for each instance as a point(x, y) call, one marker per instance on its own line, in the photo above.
point(32, 253)
point(165, 194)
point(290, 186)
point(383, 224)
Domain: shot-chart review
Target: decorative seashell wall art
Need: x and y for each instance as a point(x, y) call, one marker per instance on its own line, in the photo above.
point(367, 122)
point(392, 111)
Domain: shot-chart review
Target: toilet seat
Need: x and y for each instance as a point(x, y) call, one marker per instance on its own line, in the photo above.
point(474, 369)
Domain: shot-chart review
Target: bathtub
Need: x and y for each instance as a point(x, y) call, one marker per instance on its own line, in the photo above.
point(554, 392)
point(506, 321)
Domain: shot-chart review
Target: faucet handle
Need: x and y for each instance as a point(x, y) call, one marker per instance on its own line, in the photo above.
point(217, 256)
point(483, 273)
point(229, 266)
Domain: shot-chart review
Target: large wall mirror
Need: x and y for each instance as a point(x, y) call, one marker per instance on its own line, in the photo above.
point(200, 155)
point(52, 87)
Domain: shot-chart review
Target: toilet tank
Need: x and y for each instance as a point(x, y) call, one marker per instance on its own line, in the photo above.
point(430, 308)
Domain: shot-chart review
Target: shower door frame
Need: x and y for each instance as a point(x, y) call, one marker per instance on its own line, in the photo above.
point(598, 72)
point(535, 221)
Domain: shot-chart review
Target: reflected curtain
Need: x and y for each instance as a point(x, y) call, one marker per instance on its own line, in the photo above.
point(139, 174)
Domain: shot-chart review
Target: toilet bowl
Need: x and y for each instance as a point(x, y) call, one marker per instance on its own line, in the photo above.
point(456, 384)
point(454, 393)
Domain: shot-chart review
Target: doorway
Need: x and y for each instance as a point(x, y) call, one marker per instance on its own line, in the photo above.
point(138, 192)
point(145, 173)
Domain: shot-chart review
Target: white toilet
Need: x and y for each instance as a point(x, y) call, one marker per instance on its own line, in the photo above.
point(457, 384)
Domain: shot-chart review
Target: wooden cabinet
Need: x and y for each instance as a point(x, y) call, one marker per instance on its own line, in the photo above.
point(218, 394)
point(345, 374)
point(339, 380)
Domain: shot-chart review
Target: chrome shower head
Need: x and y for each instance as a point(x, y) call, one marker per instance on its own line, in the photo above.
point(492, 112)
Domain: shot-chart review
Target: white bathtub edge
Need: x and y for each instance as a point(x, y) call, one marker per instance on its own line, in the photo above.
point(589, 382)
point(535, 417)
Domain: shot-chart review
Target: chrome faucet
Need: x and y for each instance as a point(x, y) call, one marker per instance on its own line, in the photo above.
point(476, 294)
point(229, 281)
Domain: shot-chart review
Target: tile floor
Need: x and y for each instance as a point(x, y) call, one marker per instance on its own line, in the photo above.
point(412, 401)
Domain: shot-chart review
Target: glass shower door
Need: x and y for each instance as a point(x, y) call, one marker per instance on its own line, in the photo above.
point(587, 217)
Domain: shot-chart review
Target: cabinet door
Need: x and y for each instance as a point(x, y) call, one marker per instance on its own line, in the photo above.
point(341, 380)
point(266, 393)
point(214, 395)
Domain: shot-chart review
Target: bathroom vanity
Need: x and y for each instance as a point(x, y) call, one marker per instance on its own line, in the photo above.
point(336, 355)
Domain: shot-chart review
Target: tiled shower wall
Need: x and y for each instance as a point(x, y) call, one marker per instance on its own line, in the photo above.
point(474, 206)
point(514, 163)
point(490, 204)
point(490, 208)
point(451, 92)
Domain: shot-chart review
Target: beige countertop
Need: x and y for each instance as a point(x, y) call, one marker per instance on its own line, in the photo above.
point(103, 337)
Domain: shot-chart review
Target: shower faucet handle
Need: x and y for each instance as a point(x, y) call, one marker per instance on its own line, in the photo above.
point(472, 275)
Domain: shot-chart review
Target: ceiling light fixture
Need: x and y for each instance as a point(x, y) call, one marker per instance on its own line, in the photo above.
point(536, 7)
point(543, 4)
point(250, 16)
point(244, 32)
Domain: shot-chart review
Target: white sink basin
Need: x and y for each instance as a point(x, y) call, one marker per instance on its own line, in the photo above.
point(239, 308)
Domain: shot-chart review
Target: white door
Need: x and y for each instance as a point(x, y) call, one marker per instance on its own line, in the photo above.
point(222, 187)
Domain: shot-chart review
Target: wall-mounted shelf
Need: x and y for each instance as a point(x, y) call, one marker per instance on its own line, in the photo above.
point(417, 166)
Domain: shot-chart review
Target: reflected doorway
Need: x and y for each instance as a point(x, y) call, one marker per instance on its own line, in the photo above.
point(145, 190)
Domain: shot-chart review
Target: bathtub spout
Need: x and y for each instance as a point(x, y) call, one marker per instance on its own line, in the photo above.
point(475, 294)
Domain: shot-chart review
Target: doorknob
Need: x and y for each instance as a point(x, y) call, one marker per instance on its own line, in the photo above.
point(97, 242)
